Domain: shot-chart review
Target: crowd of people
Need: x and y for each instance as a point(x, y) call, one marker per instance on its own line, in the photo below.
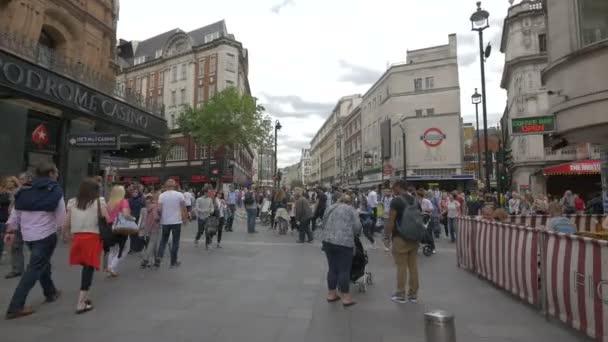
point(104, 229)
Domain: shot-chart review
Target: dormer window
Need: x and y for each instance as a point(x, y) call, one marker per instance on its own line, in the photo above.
point(159, 53)
point(211, 37)
point(139, 60)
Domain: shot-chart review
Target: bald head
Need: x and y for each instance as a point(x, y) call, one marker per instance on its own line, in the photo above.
point(170, 184)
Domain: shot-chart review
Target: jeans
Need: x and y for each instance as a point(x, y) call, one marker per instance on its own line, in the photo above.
point(201, 228)
point(404, 253)
point(251, 219)
point(38, 269)
point(17, 257)
point(230, 216)
point(452, 228)
point(220, 228)
point(175, 231)
point(304, 231)
point(368, 227)
point(339, 260)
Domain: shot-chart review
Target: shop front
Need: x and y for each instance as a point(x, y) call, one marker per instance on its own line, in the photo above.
point(41, 107)
point(581, 177)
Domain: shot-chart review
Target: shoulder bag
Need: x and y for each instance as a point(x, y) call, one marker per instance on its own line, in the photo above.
point(105, 231)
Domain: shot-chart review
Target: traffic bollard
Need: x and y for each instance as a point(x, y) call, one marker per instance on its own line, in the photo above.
point(439, 326)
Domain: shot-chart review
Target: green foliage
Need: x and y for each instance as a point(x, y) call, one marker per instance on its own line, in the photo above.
point(229, 118)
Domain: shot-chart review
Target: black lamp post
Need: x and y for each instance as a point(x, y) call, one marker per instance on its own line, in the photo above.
point(277, 127)
point(476, 99)
point(480, 22)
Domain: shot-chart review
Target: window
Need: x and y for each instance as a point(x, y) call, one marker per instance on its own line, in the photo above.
point(418, 113)
point(151, 81)
point(182, 96)
point(201, 94)
point(138, 85)
point(159, 53)
point(593, 19)
point(211, 37)
point(178, 152)
point(430, 111)
point(229, 83)
point(211, 91)
point(174, 73)
point(542, 42)
point(173, 98)
point(430, 82)
point(212, 64)
point(184, 70)
point(418, 84)
point(230, 64)
point(161, 78)
point(139, 60)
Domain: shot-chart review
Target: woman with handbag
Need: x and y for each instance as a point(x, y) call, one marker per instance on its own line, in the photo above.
point(118, 210)
point(83, 218)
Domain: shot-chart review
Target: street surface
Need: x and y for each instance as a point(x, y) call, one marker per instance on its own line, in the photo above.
point(267, 288)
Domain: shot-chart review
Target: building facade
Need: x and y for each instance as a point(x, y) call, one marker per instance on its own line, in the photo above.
point(179, 69)
point(421, 100)
point(291, 176)
point(264, 167)
point(305, 166)
point(353, 158)
point(57, 80)
point(576, 74)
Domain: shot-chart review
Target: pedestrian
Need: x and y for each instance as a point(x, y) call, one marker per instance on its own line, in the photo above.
point(231, 201)
point(340, 226)
point(557, 222)
point(252, 209)
point(204, 208)
point(172, 207)
point(83, 213)
point(303, 216)
point(514, 204)
point(579, 205)
point(189, 197)
point(6, 202)
point(12, 185)
point(136, 203)
point(320, 208)
point(222, 208)
point(426, 206)
point(117, 205)
point(39, 209)
point(453, 211)
point(149, 224)
point(404, 251)
point(386, 202)
point(568, 203)
point(372, 203)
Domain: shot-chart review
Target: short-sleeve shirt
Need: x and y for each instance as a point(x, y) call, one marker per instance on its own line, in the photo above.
point(398, 205)
point(172, 203)
point(85, 221)
point(113, 212)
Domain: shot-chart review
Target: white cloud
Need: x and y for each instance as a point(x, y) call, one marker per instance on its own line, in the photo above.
point(295, 56)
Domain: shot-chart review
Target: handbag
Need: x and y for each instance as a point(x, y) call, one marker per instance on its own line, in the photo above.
point(105, 231)
point(124, 226)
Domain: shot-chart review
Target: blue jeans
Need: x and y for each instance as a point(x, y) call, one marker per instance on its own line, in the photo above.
point(175, 231)
point(340, 261)
point(2, 230)
point(38, 269)
point(452, 228)
point(251, 214)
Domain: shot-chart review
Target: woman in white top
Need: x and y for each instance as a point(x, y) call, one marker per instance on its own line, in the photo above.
point(453, 208)
point(82, 222)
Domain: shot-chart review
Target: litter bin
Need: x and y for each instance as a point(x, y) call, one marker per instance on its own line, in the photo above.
point(439, 326)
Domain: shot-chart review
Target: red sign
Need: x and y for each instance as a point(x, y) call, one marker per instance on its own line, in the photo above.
point(433, 137)
point(387, 169)
point(575, 168)
point(40, 135)
point(150, 180)
point(199, 179)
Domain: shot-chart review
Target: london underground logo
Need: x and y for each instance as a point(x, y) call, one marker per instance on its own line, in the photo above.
point(433, 137)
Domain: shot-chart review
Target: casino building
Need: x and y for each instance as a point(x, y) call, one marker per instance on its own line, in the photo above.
point(57, 78)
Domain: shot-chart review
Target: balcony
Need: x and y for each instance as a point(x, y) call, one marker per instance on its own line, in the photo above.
point(19, 45)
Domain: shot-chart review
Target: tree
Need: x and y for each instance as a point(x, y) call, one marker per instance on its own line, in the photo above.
point(229, 119)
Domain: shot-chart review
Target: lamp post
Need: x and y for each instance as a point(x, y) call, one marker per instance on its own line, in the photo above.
point(480, 22)
point(476, 99)
point(277, 127)
point(404, 151)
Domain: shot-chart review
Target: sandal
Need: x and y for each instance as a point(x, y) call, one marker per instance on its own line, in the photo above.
point(348, 304)
point(87, 307)
point(333, 300)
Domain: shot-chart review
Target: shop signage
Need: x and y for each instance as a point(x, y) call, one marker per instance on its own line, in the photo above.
point(109, 161)
point(149, 180)
point(433, 137)
point(35, 81)
point(94, 141)
point(575, 168)
point(387, 169)
point(533, 125)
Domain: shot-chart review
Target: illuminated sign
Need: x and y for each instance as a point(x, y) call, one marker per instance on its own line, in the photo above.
point(433, 137)
point(533, 125)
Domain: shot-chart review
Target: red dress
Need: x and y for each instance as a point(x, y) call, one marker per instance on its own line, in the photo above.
point(86, 250)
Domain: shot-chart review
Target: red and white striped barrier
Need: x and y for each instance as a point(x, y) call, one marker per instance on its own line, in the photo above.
point(583, 223)
point(466, 243)
point(577, 282)
point(508, 256)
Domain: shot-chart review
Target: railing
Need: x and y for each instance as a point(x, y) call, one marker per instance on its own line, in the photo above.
point(38, 54)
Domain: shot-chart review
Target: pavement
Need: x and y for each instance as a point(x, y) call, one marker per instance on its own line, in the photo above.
point(267, 288)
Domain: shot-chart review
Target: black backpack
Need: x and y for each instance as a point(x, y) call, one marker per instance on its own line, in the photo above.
point(5, 204)
point(249, 200)
point(411, 226)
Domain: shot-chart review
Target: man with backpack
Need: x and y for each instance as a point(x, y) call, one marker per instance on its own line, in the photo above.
point(252, 209)
point(407, 230)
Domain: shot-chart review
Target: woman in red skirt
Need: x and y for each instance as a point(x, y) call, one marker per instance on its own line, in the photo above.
point(82, 222)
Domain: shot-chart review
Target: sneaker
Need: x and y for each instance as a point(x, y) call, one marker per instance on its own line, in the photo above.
point(412, 299)
point(144, 264)
point(218, 246)
point(399, 298)
point(176, 264)
point(434, 251)
point(386, 249)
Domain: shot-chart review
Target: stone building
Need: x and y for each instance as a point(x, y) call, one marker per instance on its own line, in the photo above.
point(57, 79)
point(176, 69)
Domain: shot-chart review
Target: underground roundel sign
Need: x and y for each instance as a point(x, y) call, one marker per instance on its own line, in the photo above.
point(432, 137)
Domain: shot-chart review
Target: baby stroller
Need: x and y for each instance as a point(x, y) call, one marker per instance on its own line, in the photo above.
point(427, 248)
point(358, 276)
point(282, 220)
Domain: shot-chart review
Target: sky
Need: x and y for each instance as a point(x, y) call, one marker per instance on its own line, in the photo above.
point(306, 54)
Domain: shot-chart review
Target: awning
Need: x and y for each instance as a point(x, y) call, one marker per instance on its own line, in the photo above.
point(581, 167)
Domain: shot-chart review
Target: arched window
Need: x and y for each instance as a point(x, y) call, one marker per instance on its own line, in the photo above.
point(46, 48)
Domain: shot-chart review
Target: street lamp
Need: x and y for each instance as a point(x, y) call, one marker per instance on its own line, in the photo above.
point(277, 127)
point(480, 22)
point(476, 99)
point(404, 150)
